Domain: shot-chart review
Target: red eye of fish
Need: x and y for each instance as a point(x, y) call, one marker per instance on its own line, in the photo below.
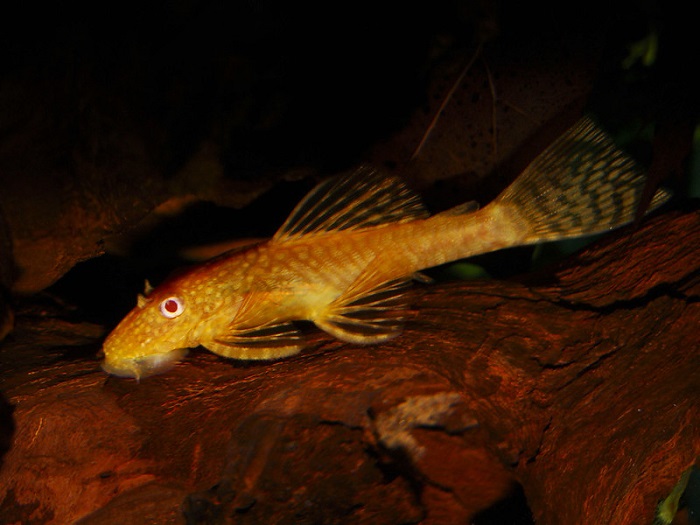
point(172, 307)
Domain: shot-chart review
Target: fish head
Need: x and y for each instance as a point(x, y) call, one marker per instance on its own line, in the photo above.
point(154, 335)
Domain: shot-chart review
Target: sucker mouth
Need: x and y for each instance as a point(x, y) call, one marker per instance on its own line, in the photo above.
point(144, 366)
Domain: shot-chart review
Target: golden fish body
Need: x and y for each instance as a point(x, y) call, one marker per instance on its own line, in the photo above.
point(343, 257)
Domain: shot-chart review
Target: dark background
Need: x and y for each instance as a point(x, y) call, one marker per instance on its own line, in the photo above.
point(108, 110)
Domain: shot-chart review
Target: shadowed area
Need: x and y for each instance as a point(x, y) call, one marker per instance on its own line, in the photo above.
point(137, 139)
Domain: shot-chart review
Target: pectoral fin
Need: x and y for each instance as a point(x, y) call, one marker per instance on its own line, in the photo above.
point(365, 318)
point(272, 341)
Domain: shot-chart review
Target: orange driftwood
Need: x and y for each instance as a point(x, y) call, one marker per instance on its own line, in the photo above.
point(581, 384)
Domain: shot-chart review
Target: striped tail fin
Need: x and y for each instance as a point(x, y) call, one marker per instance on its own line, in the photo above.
point(582, 184)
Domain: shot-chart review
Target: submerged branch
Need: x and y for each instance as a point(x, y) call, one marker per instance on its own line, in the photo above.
point(580, 384)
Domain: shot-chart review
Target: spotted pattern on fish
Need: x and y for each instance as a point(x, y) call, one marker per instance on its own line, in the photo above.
point(582, 184)
point(346, 254)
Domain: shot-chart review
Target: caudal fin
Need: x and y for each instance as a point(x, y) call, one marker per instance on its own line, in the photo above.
point(580, 185)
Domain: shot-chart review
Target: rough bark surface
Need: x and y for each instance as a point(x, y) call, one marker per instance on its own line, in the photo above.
point(581, 384)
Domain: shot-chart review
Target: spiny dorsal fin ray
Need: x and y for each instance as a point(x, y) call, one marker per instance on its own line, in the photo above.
point(272, 341)
point(373, 316)
point(580, 185)
point(356, 200)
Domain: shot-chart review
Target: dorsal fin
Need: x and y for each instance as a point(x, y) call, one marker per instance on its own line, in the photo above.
point(356, 200)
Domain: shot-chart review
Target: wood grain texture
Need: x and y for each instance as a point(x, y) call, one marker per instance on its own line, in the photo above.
point(580, 383)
